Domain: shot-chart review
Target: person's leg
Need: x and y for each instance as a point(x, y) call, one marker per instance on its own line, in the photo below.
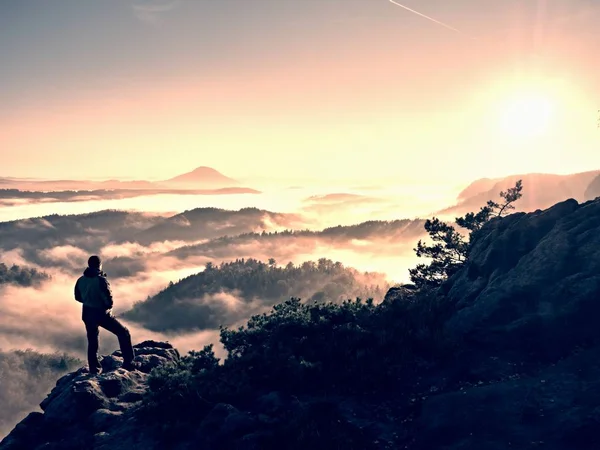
point(92, 332)
point(112, 324)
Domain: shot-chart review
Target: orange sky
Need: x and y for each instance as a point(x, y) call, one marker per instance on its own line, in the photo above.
point(345, 89)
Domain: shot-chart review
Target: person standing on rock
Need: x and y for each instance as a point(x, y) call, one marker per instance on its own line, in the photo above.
point(93, 290)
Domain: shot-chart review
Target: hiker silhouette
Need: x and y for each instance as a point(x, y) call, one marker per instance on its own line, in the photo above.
point(93, 290)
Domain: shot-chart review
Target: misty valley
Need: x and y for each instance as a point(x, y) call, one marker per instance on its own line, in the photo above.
point(210, 282)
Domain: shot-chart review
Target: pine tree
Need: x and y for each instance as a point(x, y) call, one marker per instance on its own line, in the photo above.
point(450, 249)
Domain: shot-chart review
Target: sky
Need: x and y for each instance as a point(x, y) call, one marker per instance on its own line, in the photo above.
point(352, 89)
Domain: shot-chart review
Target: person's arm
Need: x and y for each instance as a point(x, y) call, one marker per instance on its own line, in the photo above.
point(78, 296)
point(106, 292)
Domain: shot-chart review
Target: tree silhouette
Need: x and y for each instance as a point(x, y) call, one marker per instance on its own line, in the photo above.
point(450, 249)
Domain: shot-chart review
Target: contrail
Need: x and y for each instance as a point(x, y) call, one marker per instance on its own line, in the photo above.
point(429, 18)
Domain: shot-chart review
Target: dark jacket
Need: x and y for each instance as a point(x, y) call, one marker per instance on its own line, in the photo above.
point(93, 290)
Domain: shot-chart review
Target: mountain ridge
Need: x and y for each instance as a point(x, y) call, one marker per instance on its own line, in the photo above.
point(543, 191)
point(202, 177)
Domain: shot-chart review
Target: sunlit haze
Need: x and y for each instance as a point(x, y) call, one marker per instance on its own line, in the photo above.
point(286, 89)
point(218, 158)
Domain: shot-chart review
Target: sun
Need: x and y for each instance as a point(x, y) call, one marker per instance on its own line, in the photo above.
point(526, 115)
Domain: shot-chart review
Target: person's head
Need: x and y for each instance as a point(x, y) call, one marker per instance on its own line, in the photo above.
point(94, 262)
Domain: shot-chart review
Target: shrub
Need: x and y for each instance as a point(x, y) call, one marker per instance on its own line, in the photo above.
point(352, 348)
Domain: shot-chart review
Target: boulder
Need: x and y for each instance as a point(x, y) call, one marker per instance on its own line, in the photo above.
point(532, 283)
point(527, 306)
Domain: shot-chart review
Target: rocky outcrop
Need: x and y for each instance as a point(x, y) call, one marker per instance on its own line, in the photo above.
point(93, 411)
point(405, 291)
point(527, 308)
point(532, 282)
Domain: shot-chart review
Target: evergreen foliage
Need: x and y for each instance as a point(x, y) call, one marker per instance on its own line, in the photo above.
point(450, 249)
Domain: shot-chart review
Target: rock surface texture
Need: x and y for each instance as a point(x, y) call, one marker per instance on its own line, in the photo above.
point(527, 311)
point(87, 411)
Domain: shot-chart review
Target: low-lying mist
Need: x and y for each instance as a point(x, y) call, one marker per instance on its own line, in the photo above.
point(321, 206)
point(26, 377)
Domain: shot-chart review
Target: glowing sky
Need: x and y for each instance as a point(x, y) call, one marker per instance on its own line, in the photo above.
point(311, 88)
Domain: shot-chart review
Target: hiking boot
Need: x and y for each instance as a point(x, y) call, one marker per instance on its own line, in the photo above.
point(129, 366)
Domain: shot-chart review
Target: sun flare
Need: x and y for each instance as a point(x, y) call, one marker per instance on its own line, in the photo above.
point(526, 115)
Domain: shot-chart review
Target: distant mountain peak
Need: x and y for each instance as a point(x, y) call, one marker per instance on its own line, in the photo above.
point(203, 175)
point(205, 170)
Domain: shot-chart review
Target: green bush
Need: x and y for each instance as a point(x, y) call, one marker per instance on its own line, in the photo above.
point(352, 348)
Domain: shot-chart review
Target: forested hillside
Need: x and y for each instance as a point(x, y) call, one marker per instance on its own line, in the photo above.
point(224, 294)
point(393, 232)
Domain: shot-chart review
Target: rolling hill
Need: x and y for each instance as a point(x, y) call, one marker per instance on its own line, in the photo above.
point(201, 177)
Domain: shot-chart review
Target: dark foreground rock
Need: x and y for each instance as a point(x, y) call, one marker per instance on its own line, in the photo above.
point(87, 411)
point(527, 308)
